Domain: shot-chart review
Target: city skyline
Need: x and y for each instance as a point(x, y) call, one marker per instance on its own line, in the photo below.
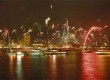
point(80, 13)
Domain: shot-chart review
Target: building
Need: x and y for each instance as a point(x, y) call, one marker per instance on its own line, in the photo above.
point(27, 39)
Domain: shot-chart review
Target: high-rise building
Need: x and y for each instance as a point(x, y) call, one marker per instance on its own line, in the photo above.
point(27, 39)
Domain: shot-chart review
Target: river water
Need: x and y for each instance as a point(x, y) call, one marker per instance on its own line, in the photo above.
point(83, 66)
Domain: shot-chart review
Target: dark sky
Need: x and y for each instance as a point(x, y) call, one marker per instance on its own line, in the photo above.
point(78, 12)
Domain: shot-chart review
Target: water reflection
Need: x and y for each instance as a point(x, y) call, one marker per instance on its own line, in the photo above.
point(85, 66)
point(15, 65)
point(89, 66)
point(104, 66)
point(12, 60)
point(107, 67)
point(101, 66)
point(19, 65)
point(52, 67)
point(4, 67)
point(63, 67)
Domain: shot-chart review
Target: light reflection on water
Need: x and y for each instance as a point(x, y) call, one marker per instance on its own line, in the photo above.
point(19, 65)
point(85, 66)
point(104, 66)
point(11, 66)
point(89, 66)
point(52, 67)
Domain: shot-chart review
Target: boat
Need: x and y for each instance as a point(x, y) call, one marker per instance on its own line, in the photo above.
point(54, 52)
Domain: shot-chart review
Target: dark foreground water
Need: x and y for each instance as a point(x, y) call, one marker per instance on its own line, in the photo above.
point(84, 66)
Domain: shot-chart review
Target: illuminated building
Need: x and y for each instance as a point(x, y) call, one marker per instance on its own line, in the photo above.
point(27, 39)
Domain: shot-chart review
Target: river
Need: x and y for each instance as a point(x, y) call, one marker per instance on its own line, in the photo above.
point(83, 66)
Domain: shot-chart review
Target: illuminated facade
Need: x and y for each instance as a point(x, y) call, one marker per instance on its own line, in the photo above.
point(27, 39)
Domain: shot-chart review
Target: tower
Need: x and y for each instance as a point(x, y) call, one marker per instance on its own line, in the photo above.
point(27, 39)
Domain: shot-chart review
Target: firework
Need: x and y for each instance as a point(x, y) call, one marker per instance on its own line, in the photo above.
point(47, 20)
point(89, 32)
point(6, 32)
point(14, 31)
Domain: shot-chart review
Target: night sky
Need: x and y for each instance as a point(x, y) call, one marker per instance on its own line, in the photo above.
point(85, 13)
